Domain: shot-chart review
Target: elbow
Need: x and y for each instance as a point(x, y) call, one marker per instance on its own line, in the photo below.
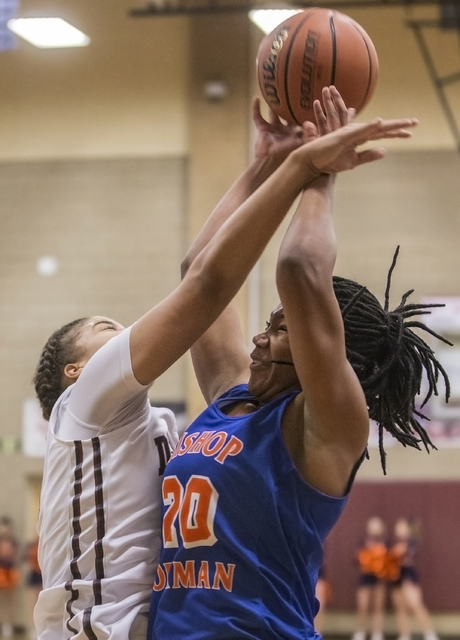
point(185, 266)
point(212, 284)
point(295, 263)
point(295, 270)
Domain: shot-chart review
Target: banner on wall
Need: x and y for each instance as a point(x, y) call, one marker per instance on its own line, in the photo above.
point(444, 419)
point(34, 429)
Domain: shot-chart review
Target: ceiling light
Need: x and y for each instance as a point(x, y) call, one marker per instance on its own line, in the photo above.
point(268, 19)
point(48, 33)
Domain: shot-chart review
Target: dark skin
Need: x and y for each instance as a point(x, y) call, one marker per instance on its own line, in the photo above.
point(270, 379)
point(326, 426)
point(267, 381)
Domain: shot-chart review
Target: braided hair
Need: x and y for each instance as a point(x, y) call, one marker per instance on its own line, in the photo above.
point(389, 359)
point(59, 350)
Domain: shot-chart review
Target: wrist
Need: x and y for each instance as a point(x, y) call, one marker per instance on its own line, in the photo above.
point(262, 167)
point(322, 181)
point(307, 167)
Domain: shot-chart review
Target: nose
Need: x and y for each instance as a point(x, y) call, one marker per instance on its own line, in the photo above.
point(261, 339)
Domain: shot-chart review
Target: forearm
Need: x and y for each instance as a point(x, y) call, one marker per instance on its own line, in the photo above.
point(249, 181)
point(309, 244)
point(237, 245)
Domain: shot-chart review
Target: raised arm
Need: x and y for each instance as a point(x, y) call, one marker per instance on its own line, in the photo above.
point(168, 330)
point(220, 357)
point(332, 407)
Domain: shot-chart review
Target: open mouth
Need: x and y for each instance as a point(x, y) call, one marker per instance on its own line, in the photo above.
point(256, 362)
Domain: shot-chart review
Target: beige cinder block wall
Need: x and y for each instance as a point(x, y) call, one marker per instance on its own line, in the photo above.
point(218, 130)
point(92, 167)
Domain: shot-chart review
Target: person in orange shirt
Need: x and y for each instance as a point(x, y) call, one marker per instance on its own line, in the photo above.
point(370, 596)
point(34, 584)
point(406, 592)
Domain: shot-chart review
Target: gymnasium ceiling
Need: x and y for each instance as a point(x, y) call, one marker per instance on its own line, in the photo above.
point(161, 7)
point(121, 38)
point(447, 17)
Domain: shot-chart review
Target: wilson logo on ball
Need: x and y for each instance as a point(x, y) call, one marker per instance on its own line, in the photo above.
point(269, 67)
point(307, 79)
point(311, 50)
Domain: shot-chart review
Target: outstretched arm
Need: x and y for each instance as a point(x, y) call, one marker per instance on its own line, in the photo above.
point(216, 274)
point(168, 330)
point(220, 357)
point(332, 407)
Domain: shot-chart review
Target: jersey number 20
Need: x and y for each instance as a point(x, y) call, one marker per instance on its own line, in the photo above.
point(189, 512)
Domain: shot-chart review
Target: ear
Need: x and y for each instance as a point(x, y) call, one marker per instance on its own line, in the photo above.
point(72, 371)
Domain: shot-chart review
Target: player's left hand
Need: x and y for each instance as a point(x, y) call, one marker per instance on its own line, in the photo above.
point(334, 114)
point(275, 139)
point(337, 151)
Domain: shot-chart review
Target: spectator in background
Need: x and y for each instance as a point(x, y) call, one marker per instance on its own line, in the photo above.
point(323, 594)
point(406, 592)
point(33, 583)
point(370, 596)
point(9, 576)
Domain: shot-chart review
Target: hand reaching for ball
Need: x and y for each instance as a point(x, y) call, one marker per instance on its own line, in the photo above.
point(275, 139)
point(331, 145)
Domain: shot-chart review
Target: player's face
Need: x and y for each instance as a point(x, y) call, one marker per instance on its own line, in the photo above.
point(268, 378)
point(95, 334)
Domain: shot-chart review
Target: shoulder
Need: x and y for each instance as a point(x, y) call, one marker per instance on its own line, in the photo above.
point(116, 352)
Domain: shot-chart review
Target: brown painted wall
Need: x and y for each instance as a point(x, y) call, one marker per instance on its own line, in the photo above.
point(436, 505)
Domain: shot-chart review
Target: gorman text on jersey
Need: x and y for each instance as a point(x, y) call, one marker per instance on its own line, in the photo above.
point(190, 511)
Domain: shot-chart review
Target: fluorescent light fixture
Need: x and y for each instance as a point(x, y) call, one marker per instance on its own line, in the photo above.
point(268, 19)
point(48, 33)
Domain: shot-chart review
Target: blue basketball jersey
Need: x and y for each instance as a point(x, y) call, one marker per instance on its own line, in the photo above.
point(242, 532)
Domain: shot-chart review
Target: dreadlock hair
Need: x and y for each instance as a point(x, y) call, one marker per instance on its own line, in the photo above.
point(59, 350)
point(389, 359)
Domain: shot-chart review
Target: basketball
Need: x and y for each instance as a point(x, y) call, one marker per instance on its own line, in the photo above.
point(311, 50)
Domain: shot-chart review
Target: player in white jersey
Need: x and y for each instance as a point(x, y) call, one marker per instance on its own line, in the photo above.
point(99, 528)
point(99, 513)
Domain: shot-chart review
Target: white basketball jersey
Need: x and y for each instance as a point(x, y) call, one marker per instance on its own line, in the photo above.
point(99, 525)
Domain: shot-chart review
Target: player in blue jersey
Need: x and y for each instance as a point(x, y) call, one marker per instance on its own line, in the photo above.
point(258, 480)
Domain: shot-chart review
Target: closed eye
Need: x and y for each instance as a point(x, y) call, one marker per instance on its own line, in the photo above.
point(105, 324)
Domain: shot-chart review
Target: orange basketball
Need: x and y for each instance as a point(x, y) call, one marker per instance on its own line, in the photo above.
point(311, 50)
